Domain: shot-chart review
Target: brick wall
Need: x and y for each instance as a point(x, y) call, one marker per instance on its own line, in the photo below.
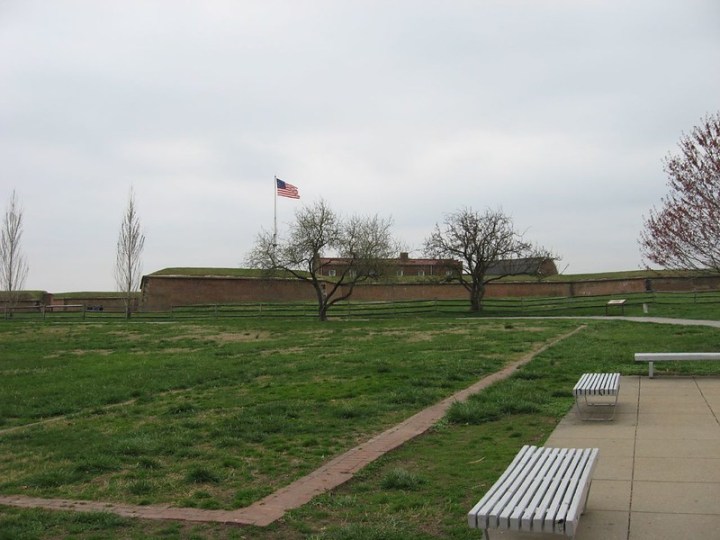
point(94, 301)
point(160, 293)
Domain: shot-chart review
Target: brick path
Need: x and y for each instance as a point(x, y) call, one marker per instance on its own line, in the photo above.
point(330, 475)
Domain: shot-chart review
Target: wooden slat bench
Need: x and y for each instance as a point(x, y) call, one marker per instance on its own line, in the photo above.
point(544, 490)
point(651, 358)
point(595, 389)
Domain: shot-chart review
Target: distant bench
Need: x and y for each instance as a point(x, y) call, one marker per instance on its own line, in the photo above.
point(598, 390)
point(620, 302)
point(544, 490)
point(651, 358)
point(64, 307)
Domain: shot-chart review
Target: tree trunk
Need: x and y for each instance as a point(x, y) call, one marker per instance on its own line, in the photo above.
point(321, 300)
point(476, 295)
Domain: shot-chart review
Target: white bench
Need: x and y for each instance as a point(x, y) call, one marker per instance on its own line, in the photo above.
point(618, 302)
point(651, 358)
point(598, 390)
point(544, 490)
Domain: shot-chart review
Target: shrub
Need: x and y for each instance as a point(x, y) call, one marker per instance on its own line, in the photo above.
point(401, 479)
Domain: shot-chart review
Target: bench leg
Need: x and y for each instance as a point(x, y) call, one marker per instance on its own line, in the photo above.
point(651, 369)
point(587, 496)
point(588, 404)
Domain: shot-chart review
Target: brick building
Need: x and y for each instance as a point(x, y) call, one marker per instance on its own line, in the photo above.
point(402, 266)
point(405, 266)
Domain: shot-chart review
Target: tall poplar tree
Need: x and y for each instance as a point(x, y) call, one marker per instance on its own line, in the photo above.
point(13, 266)
point(128, 262)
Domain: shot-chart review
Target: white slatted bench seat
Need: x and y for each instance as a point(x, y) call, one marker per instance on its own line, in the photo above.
point(544, 490)
point(597, 390)
point(651, 358)
point(619, 302)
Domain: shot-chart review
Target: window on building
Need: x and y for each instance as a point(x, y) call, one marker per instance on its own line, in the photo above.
point(400, 273)
point(332, 273)
point(421, 272)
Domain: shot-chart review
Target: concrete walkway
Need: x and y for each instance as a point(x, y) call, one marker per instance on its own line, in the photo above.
point(658, 474)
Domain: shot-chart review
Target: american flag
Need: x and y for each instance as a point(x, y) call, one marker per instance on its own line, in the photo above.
point(286, 190)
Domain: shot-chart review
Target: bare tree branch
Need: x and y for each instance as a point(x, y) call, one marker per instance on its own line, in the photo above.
point(480, 241)
point(365, 244)
point(128, 263)
point(13, 266)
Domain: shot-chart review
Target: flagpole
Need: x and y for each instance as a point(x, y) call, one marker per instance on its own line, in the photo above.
point(275, 212)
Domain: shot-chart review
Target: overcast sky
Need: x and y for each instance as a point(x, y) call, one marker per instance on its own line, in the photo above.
point(558, 112)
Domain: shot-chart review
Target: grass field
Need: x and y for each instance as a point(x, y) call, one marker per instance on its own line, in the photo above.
point(218, 413)
point(693, 305)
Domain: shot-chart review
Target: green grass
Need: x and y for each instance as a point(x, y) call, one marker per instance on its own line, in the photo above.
point(220, 272)
point(217, 414)
point(697, 305)
point(147, 413)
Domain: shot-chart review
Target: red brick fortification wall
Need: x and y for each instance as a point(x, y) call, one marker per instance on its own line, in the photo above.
point(710, 283)
point(110, 303)
point(602, 287)
point(411, 291)
point(161, 293)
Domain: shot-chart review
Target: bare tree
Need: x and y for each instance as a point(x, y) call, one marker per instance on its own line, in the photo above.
point(128, 263)
point(685, 232)
point(14, 268)
point(365, 245)
point(481, 241)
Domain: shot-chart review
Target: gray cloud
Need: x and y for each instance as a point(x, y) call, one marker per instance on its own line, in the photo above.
point(558, 112)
